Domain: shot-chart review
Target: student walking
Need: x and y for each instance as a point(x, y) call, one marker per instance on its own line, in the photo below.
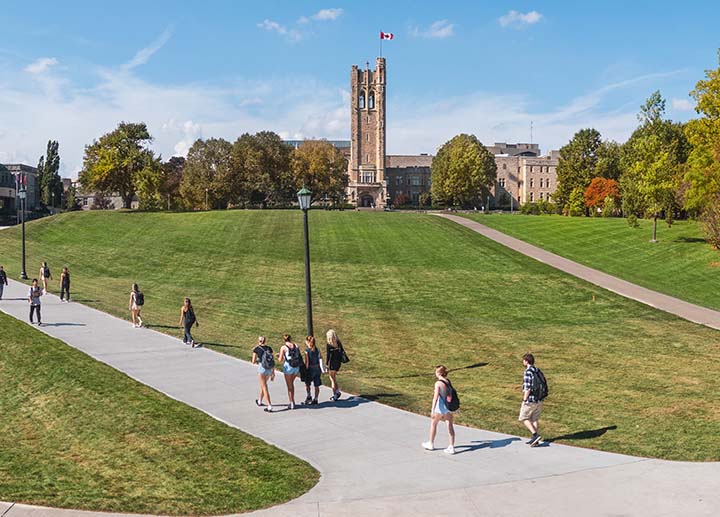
point(34, 295)
point(335, 357)
point(65, 284)
point(290, 359)
point(263, 357)
point(313, 360)
point(440, 410)
point(45, 274)
point(3, 281)
point(534, 389)
point(187, 319)
point(137, 300)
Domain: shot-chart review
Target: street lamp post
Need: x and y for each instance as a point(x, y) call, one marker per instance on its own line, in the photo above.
point(206, 198)
point(304, 199)
point(23, 194)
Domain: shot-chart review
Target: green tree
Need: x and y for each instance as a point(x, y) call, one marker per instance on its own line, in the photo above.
point(120, 161)
point(171, 174)
point(577, 165)
point(462, 172)
point(262, 162)
point(71, 200)
point(209, 175)
point(49, 181)
point(322, 168)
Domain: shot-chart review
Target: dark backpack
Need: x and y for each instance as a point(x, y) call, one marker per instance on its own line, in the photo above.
point(452, 401)
point(539, 388)
point(139, 299)
point(190, 317)
point(293, 356)
point(46, 272)
point(267, 361)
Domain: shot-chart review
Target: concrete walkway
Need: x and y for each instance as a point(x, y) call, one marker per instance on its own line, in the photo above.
point(369, 454)
point(663, 302)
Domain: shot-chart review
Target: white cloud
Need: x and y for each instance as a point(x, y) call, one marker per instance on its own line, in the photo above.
point(327, 14)
point(682, 105)
point(520, 20)
point(41, 65)
point(438, 29)
point(144, 55)
point(273, 26)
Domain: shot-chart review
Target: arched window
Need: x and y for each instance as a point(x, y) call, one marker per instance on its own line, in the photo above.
point(361, 100)
point(371, 100)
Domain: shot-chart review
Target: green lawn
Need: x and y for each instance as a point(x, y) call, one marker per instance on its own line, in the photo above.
point(680, 264)
point(79, 434)
point(406, 292)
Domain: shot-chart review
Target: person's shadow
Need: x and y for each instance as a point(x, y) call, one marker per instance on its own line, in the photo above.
point(476, 445)
point(583, 435)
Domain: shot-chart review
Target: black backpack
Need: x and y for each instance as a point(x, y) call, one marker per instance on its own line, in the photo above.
point(539, 388)
point(139, 299)
point(452, 401)
point(293, 356)
point(46, 272)
point(267, 361)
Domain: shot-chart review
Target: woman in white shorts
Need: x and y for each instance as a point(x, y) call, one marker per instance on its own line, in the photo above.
point(440, 411)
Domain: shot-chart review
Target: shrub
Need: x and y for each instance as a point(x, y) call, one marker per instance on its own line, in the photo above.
point(632, 221)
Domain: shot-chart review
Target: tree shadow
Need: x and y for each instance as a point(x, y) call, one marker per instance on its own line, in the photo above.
point(583, 435)
point(64, 325)
point(690, 239)
point(476, 445)
point(163, 327)
point(84, 300)
point(468, 367)
point(378, 396)
point(428, 374)
point(222, 345)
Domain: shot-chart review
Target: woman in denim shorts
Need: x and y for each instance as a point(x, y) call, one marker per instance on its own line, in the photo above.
point(263, 373)
point(290, 353)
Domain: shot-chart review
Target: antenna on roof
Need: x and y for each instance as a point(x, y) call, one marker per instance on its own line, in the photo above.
point(531, 135)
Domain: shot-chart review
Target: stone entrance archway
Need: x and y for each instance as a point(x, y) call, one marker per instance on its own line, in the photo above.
point(366, 201)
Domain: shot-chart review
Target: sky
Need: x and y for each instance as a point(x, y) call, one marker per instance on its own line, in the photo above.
point(71, 71)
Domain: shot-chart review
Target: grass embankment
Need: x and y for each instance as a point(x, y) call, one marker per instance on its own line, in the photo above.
point(406, 292)
point(680, 264)
point(78, 434)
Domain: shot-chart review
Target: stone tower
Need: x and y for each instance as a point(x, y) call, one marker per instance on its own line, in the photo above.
point(367, 185)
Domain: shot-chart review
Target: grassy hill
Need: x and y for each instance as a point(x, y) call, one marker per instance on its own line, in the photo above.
point(78, 434)
point(406, 292)
point(680, 264)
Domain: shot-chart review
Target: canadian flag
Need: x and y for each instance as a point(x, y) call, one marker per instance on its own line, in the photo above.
point(386, 35)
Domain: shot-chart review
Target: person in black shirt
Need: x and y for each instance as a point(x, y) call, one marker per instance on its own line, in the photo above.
point(3, 281)
point(263, 357)
point(65, 285)
point(187, 319)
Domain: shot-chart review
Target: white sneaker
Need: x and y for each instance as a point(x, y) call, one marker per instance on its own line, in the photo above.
point(292, 405)
point(450, 450)
point(428, 446)
point(139, 322)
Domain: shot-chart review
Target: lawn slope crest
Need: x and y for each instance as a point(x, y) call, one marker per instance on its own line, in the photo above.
point(407, 292)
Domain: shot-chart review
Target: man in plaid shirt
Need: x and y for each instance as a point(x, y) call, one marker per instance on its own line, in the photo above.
point(530, 408)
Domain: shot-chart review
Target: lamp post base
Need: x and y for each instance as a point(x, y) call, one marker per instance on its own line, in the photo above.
point(23, 275)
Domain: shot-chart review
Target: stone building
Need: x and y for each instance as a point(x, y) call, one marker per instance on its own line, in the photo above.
point(367, 184)
point(8, 194)
point(523, 176)
point(408, 176)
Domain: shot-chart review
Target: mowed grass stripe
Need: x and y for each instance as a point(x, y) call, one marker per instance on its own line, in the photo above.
point(407, 292)
point(680, 264)
point(79, 434)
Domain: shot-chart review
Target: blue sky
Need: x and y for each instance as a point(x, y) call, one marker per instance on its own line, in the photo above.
point(72, 70)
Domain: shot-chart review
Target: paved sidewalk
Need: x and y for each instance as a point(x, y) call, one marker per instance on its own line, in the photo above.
point(663, 302)
point(369, 454)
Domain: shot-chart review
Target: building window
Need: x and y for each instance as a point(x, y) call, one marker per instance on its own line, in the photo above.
point(532, 182)
point(367, 158)
point(367, 137)
point(541, 196)
point(502, 182)
point(504, 166)
point(371, 101)
point(532, 198)
point(415, 181)
point(398, 181)
point(361, 100)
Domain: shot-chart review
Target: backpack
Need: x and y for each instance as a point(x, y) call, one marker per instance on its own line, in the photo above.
point(293, 356)
point(190, 317)
point(452, 401)
point(539, 388)
point(46, 272)
point(139, 299)
point(267, 361)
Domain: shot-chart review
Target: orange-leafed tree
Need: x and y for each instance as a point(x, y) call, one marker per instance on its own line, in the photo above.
point(599, 190)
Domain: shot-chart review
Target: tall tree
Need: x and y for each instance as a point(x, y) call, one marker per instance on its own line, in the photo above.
point(209, 175)
point(321, 167)
point(599, 191)
point(577, 166)
point(462, 172)
point(121, 161)
point(49, 181)
point(171, 177)
point(263, 163)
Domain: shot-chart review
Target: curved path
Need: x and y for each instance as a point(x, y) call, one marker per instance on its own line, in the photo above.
point(663, 302)
point(369, 454)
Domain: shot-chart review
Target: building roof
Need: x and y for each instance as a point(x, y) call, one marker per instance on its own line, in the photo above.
point(397, 161)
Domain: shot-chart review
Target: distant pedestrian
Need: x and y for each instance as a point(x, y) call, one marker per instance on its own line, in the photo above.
point(34, 295)
point(335, 357)
point(290, 359)
point(440, 410)
point(65, 284)
point(187, 319)
point(263, 357)
point(45, 275)
point(534, 389)
point(137, 300)
point(313, 361)
point(3, 281)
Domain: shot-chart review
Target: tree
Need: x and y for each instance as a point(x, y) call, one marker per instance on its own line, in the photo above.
point(208, 174)
point(49, 180)
point(577, 166)
point(263, 162)
point(120, 161)
point(599, 190)
point(702, 177)
point(462, 172)
point(71, 201)
point(171, 173)
point(322, 168)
